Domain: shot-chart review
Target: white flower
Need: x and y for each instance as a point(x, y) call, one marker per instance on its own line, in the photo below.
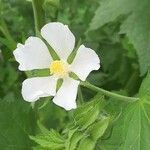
point(34, 54)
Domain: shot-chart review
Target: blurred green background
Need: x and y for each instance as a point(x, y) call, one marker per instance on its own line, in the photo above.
point(110, 27)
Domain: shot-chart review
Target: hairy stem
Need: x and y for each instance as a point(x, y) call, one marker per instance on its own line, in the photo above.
point(110, 94)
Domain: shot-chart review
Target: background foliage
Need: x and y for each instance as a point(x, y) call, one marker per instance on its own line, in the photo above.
point(119, 31)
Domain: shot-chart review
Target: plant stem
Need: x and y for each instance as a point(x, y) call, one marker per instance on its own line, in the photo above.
point(39, 19)
point(39, 16)
point(110, 94)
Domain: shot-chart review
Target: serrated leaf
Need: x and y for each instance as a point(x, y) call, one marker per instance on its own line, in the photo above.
point(136, 26)
point(44, 143)
point(56, 136)
point(88, 119)
point(52, 135)
point(135, 124)
point(94, 132)
point(86, 115)
point(50, 140)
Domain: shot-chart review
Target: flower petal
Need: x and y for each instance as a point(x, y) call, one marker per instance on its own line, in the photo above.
point(34, 88)
point(59, 37)
point(66, 95)
point(85, 61)
point(32, 55)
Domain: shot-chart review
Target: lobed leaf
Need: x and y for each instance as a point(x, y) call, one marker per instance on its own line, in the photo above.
point(136, 26)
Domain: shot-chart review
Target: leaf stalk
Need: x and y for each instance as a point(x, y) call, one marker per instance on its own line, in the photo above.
point(108, 93)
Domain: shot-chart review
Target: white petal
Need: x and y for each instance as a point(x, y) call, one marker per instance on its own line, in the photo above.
point(59, 37)
point(34, 88)
point(32, 55)
point(66, 95)
point(85, 61)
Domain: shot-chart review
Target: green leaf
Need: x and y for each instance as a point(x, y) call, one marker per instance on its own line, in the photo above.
point(98, 128)
point(88, 121)
point(135, 124)
point(51, 139)
point(136, 26)
point(86, 115)
point(144, 91)
point(136, 127)
point(87, 144)
point(114, 138)
point(83, 117)
point(74, 139)
point(94, 132)
point(15, 117)
point(45, 143)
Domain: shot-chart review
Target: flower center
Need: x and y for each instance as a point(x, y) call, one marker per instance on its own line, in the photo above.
point(59, 68)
